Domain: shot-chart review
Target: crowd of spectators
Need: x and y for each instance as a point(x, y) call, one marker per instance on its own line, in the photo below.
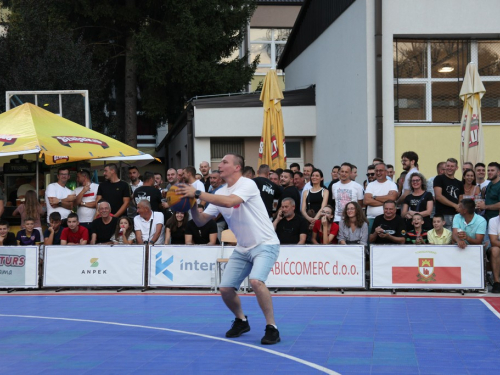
point(382, 209)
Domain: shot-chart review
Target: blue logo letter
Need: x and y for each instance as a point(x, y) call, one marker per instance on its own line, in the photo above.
point(161, 267)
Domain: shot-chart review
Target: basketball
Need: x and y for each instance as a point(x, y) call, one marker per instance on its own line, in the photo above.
point(179, 203)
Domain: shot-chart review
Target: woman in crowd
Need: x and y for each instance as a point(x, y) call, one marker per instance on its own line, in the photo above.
point(325, 230)
point(316, 198)
point(353, 228)
point(30, 208)
point(419, 201)
point(471, 190)
point(124, 233)
point(176, 228)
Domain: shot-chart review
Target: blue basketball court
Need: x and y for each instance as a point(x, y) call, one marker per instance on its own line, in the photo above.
point(184, 334)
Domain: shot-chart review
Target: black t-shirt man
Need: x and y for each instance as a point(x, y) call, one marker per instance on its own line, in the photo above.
point(151, 194)
point(103, 231)
point(269, 192)
point(114, 192)
point(397, 225)
point(201, 235)
point(451, 190)
point(289, 231)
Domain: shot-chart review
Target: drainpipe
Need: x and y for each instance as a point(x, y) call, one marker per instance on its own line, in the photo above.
point(379, 118)
point(190, 135)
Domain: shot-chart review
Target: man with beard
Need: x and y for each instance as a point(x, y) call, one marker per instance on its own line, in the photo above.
point(447, 190)
point(289, 190)
point(291, 228)
point(409, 161)
point(114, 191)
point(135, 182)
point(205, 173)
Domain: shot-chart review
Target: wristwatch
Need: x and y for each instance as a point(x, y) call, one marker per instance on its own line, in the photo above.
point(83, 203)
point(60, 203)
point(197, 194)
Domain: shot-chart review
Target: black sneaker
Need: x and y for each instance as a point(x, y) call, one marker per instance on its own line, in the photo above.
point(496, 288)
point(271, 337)
point(238, 328)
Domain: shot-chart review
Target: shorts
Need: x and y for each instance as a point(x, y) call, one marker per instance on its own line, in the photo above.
point(257, 263)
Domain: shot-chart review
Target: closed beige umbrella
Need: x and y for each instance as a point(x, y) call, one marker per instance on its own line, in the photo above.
point(472, 144)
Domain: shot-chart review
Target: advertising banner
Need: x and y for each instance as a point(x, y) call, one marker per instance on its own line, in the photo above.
point(98, 265)
point(297, 266)
point(19, 267)
point(182, 265)
point(426, 267)
point(326, 266)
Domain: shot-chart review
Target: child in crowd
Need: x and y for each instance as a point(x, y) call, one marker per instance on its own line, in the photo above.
point(74, 234)
point(439, 235)
point(417, 236)
point(6, 238)
point(53, 233)
point(29, 235)
point(124, 233)
point(30, 208)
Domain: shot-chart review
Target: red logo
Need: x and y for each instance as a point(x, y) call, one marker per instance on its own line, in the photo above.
point(8, 139)
point(426, 273)
point(237, 206)
point(275, 152)
point(12, 260)
point(67, 140)
point(56, 158)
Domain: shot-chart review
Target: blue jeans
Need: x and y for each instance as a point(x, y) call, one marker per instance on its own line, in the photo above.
point(257, 263)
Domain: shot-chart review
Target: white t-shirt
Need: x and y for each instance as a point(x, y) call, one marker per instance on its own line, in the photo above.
point(143, 226)
point(55, 190)
point(307, 186)
point(379, 188)
point(198, 185)
point(249, 220)
point(133, 187)
point(86, 214)
point(484, 184)
point(406, 185)
point(494, 226)
point(345, 193)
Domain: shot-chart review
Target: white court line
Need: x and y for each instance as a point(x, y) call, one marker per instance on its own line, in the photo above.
point(491, 308)
point(307, 363)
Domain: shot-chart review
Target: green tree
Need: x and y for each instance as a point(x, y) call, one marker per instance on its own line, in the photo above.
point(38, 53)
point(162, 51)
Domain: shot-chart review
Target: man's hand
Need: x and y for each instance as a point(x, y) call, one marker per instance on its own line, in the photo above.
point(53, 201)
point(186, 191)
point(51, 229)
point(380, 231)
point(480, 205)
point(461, 244)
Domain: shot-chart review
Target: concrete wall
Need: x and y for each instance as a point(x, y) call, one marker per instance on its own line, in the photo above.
point(339, 64)
point(432, 19)
point(178, 144)
point(275, 16)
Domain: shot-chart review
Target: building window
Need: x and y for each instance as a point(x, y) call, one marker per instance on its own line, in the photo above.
point(268, 44)
point(428, 75)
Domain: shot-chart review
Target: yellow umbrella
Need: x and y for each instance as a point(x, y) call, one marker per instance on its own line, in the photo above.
point(472, 144)
point(30, 129)
point(272, 150)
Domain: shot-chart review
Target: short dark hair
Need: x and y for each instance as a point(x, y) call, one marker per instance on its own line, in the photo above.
point(479, 165)
point(84, 172)
point(62, 169)
point(452, 160)
point(390, 166)
point(441, 216)
point(353, 166)
point(73, 215)
point(289, 171)
point(469, 205)
point(263, 168)
point(378, 159)
point(371, 166)
point(133, 167)
point(494, 164)
point(112, 166)
point(158, 173)
point(148, 176)
point(4, 222)
point(309, 165)
point(295, 165)
point(301, 175)
point(347, 165)
point(247, 169)
point(55, 216)
point(191, 170)
point(336, 166)
point(411, 155)
point(389, 201)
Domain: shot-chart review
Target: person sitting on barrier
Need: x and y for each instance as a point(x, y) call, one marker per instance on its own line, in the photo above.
point(439, 235)
point(6, 238)
point(176, 229)
point(148, 225)
point(52, 235)
point(291, 228)
point(353, 228)
point(205, 235)
point(29, 235)
point(325, 230)
point(74, 234)
point(104, 226)
point(468, 227)
point(124, 232)
point(493, 253)
point(418, 235)
point(388, 228)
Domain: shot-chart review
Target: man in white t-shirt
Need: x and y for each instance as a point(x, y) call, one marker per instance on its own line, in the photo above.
point(377, 192)
point(190, 178)
point(345, 191)
point(308, 169)
point(493, 253)
point(58, 197)
point(257, 247)
point(145, 230)
point(85, 200)
point(409, 161)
